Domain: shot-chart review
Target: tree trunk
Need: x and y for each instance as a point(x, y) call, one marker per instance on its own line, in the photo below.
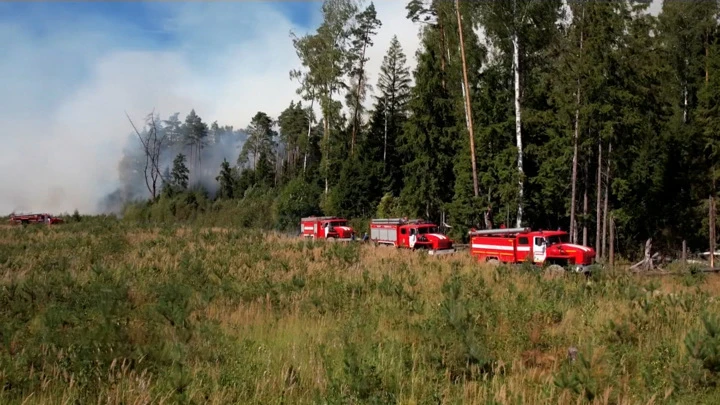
point(326, 130)
point(712, 231)
point(711, 219)
point(255, 153)
point(707, 57)
point(312, 102)
point(612, 242)
point(518, 131)
point(685, 104)
point(598, 199)
point(585, 206)
point(605, 208)
point(385, 141)
point(573, 202)
point(443, 46)
point(468, 105)
point(573, 225)
point(357, 97)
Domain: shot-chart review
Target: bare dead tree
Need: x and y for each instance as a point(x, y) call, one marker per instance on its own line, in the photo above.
point(647, 262)
point(468, 105)
point(152, 143)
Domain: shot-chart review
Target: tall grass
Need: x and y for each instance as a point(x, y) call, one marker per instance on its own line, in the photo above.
point(103, 311)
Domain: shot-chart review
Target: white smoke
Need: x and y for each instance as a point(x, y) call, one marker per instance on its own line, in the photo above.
point(68, 81)
point(203, 172)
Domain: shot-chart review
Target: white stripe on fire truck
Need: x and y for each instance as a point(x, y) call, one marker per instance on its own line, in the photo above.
point(309, 228)
point(497, 247)
point(579, 247)
point(438, 235)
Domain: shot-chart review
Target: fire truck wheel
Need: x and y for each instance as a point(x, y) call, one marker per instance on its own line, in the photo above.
point(554, 271)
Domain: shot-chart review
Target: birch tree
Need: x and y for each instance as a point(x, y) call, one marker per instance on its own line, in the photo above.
point(362, 34)
point(518, 21)
point(324, 55)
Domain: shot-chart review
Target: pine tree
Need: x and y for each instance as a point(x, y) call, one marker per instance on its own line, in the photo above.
point(362, 33)
point(708, 120)
point(227, 181)
point(467, 98)
point(196, 132)
point(180, 173)
point(390, 113)
point(683, 39)
point(636, 154)
point(173, 129)
point(214, 133)
point(428, 137)
point(581, 81)
point(261, 140)
point(265, 170)
point(293, 123)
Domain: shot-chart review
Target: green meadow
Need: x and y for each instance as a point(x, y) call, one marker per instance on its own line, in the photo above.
point(103, 311)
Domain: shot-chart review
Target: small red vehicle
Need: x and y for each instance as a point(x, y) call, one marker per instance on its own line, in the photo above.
point(25, 219)
point(326, 228)
point(517, 245)
point(410, 234)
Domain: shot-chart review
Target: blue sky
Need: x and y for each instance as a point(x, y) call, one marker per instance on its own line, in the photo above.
point(70, 71)
point(137, 19)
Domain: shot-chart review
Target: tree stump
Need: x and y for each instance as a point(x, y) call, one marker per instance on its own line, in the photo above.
point(647, 263)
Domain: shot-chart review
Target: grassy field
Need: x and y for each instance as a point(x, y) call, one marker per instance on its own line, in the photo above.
point(107, 312)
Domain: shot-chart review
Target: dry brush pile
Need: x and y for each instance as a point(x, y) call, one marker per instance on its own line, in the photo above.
point(107, 312)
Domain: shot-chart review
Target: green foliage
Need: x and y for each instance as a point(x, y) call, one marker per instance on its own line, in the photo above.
point(180, 173)
point(428, 138)
point(257, 150)
point(389, 207)
point(228, 183)
point(578, 377)
point(705, 346)
point(297, 199)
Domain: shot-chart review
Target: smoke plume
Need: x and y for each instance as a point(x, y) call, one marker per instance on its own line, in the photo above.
point(69, 73)
point(222, 143)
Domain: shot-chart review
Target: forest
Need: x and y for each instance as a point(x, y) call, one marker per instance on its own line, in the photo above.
point(579, 115)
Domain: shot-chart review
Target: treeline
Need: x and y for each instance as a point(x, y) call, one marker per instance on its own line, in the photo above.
point(582, 117)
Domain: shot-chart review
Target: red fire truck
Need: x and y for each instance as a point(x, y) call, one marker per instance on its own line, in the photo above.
point(516, 245)
point(326, 228)
point(34, 219)
point(411, 234)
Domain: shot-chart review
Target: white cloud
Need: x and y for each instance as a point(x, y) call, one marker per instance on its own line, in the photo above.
point(63, 113)
point(392, 14)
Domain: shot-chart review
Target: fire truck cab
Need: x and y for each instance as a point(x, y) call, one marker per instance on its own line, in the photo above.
point(517, 245)
point(326, 228)
point(410, 234)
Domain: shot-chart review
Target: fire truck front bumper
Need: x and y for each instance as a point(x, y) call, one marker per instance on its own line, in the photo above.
point(439, 252)
point(581, 268)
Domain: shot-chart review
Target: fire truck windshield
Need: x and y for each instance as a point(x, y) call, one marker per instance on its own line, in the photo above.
point(555, 239)
point(430, 229)
point(337, 223)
